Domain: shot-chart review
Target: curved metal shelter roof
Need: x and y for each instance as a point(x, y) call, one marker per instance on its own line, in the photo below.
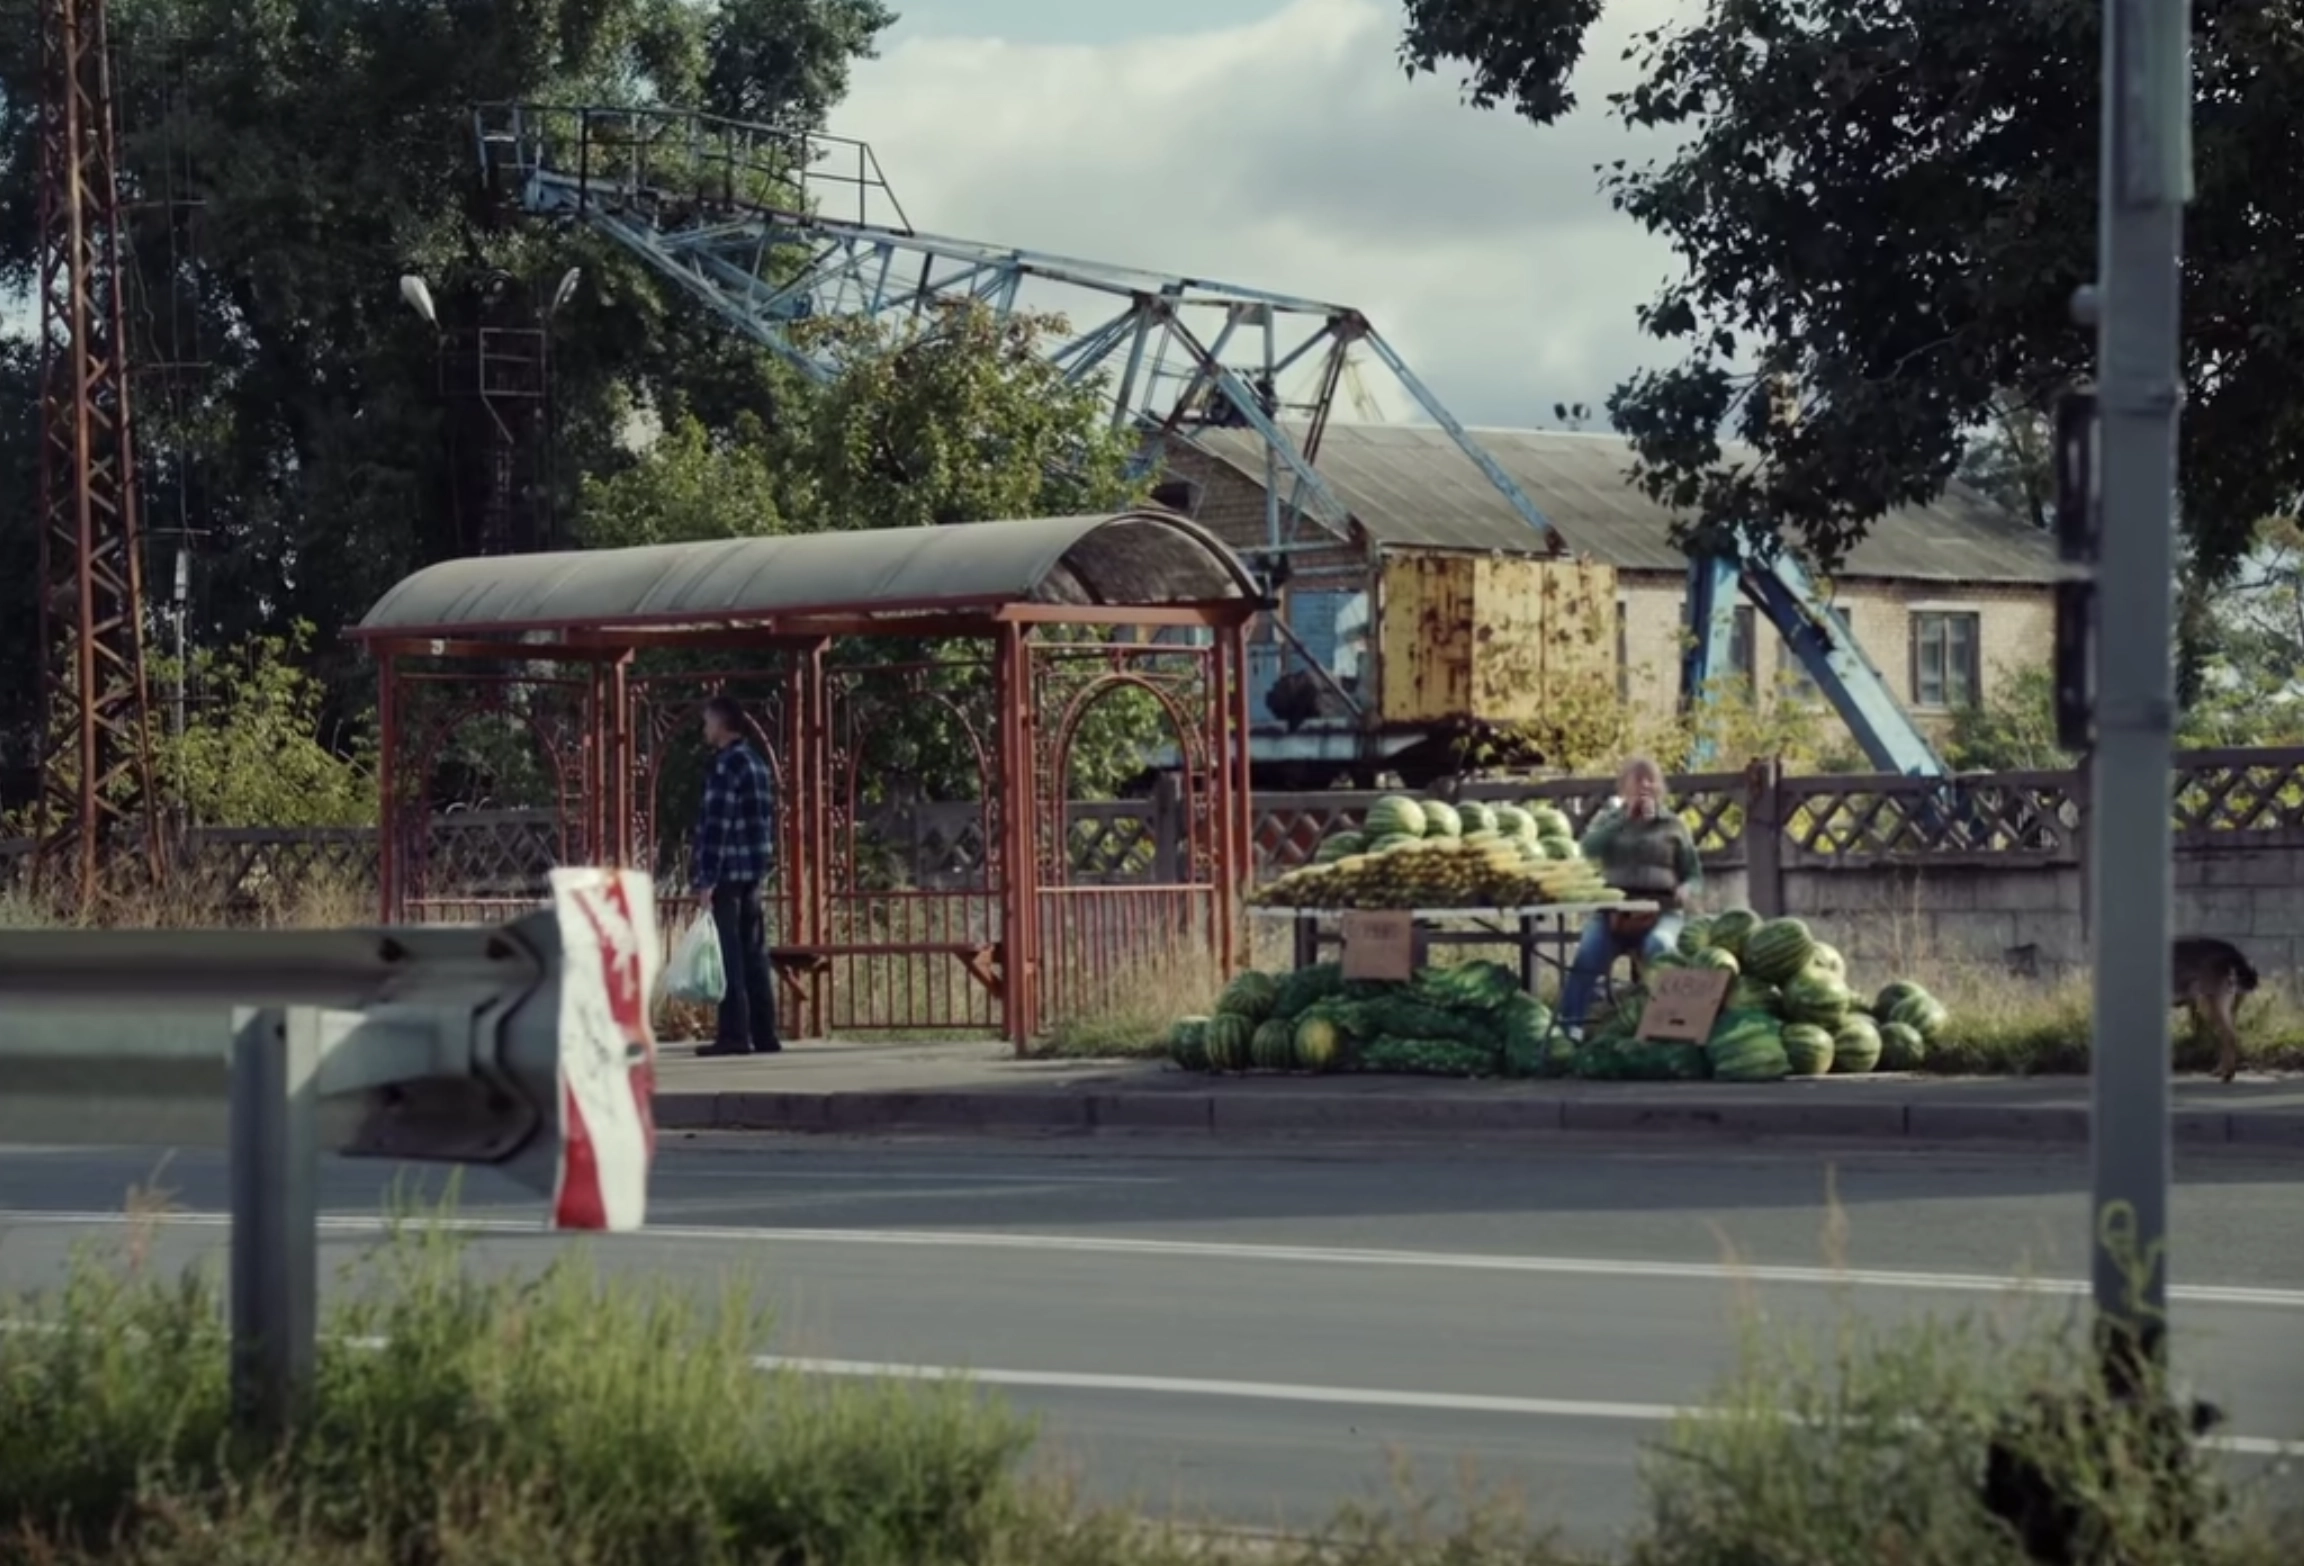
point(1131, 559)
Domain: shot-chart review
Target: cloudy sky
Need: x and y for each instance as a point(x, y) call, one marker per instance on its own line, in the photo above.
point(1277, 145)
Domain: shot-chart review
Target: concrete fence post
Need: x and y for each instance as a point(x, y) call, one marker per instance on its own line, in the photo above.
point(1764, 837)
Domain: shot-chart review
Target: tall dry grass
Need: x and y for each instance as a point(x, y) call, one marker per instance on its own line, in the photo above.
point(2006, 1022)
point(2003, 1023)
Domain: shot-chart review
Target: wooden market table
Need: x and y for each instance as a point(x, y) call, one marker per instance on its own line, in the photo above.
point(1536, 931)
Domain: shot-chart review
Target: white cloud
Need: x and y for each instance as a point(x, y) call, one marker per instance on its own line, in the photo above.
point(1291, 154)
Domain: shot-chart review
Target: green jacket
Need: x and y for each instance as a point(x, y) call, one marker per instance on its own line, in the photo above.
point(1648, 858)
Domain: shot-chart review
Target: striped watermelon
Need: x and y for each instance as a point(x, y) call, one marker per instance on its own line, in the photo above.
point(1751, 1053)
point(1923, 1013)
point(1778, 950)
point(1395, 815)
point(1317, 1044)
point(1229, 1038)
point(1856, 1047)
point(1730, 930)
point(1807, 1049)
point(1250, 995)
point(1901, 1047)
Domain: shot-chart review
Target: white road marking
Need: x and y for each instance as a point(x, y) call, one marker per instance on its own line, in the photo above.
point(1209, 1250)
point(936, 1177)
point(1353, 1397)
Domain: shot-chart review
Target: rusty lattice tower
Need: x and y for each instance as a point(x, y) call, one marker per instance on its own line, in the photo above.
point(96, 773)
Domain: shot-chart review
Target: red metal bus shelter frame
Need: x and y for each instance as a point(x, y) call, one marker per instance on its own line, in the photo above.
point(451, 640)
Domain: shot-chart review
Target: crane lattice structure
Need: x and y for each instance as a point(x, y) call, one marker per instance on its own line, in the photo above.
point(96, 799)
point(774, 230)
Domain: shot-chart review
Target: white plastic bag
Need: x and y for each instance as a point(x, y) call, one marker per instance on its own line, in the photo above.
point(695, 973)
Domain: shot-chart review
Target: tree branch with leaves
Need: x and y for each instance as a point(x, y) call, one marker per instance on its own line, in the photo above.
point(1892, 202)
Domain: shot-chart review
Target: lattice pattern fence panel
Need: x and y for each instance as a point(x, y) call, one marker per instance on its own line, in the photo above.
point(942, 845)
point(1114, 844)
point(497, 854)
point(248, 871)
point(2220, 799)
point(2220, 791)
point(2010, 816)
point(1712, 803)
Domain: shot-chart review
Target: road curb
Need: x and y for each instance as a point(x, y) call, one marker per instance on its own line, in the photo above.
point(1353, 1114)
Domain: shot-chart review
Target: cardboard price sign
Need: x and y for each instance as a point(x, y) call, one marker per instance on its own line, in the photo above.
point(1683, 1003)
point(1379, 946)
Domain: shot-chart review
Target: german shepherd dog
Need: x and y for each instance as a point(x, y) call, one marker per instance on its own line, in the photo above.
point(2211, 977)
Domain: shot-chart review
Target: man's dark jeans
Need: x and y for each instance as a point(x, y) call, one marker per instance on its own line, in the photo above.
point(748, 1010)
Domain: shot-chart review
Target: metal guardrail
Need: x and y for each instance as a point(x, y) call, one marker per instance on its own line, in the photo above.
point(525, 1047)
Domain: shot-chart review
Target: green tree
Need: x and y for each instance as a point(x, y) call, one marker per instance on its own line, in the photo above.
point(958, 420)
point(328, 145)
point(961, 419)
point(255, 749)
point(690, 483)
point(786, 61)
point(2014, 730)
point(2011, 460)
point(1891, 202)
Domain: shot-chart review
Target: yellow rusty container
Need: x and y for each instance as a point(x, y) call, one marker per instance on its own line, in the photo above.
point(1480, 639)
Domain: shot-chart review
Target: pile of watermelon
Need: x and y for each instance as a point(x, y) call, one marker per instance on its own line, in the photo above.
point(1791, 1012)
point(1471, 1019)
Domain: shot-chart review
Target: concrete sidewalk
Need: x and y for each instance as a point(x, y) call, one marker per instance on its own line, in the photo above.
point(861, 1088)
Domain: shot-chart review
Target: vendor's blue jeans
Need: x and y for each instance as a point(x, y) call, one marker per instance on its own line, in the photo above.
point(1597, 953)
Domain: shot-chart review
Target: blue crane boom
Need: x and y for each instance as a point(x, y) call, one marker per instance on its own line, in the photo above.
point(773, 230)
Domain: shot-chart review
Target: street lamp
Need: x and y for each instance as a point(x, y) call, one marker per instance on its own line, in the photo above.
point(419, 298)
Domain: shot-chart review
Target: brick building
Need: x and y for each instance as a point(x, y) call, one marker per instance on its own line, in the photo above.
point(1947, 599)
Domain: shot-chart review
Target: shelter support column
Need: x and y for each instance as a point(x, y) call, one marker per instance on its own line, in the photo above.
point(1236, 848)
point(1010, 796)
point(815, 789)
point(592, 771)
point(619, 763)
point(388, 888)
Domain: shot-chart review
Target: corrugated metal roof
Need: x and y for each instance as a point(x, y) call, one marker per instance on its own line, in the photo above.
point(1410, 485)
point(1137, 558)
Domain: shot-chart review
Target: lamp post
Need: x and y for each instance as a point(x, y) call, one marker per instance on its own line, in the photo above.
point(496, 375)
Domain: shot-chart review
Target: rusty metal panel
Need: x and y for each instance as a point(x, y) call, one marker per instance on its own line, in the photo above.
point(1425, 633)
point(1573, 629)
point(1472, 638)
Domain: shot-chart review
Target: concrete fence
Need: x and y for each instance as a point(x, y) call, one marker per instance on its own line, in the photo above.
point(1988, 868)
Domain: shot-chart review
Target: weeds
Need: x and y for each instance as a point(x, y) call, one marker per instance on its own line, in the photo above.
point(2003, 1024)
point(562, 1419)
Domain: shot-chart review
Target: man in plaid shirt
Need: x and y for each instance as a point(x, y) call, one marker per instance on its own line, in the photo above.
point(735, 854)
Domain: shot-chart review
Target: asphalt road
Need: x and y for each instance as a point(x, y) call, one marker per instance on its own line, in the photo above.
point(1256, 1336)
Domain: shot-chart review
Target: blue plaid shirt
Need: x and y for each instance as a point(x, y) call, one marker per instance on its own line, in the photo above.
point(736, 835)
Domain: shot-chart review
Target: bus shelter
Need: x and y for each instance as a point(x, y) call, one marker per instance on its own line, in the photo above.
point(885, 674)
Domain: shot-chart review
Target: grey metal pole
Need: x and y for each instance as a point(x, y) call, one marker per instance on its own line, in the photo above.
point(275, 1215)
point(2146, 179)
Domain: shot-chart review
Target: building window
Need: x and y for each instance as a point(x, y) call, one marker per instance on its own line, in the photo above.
point(1946, 669)
point(1178, 495)
point(1793, 676)
point(1623, 651)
